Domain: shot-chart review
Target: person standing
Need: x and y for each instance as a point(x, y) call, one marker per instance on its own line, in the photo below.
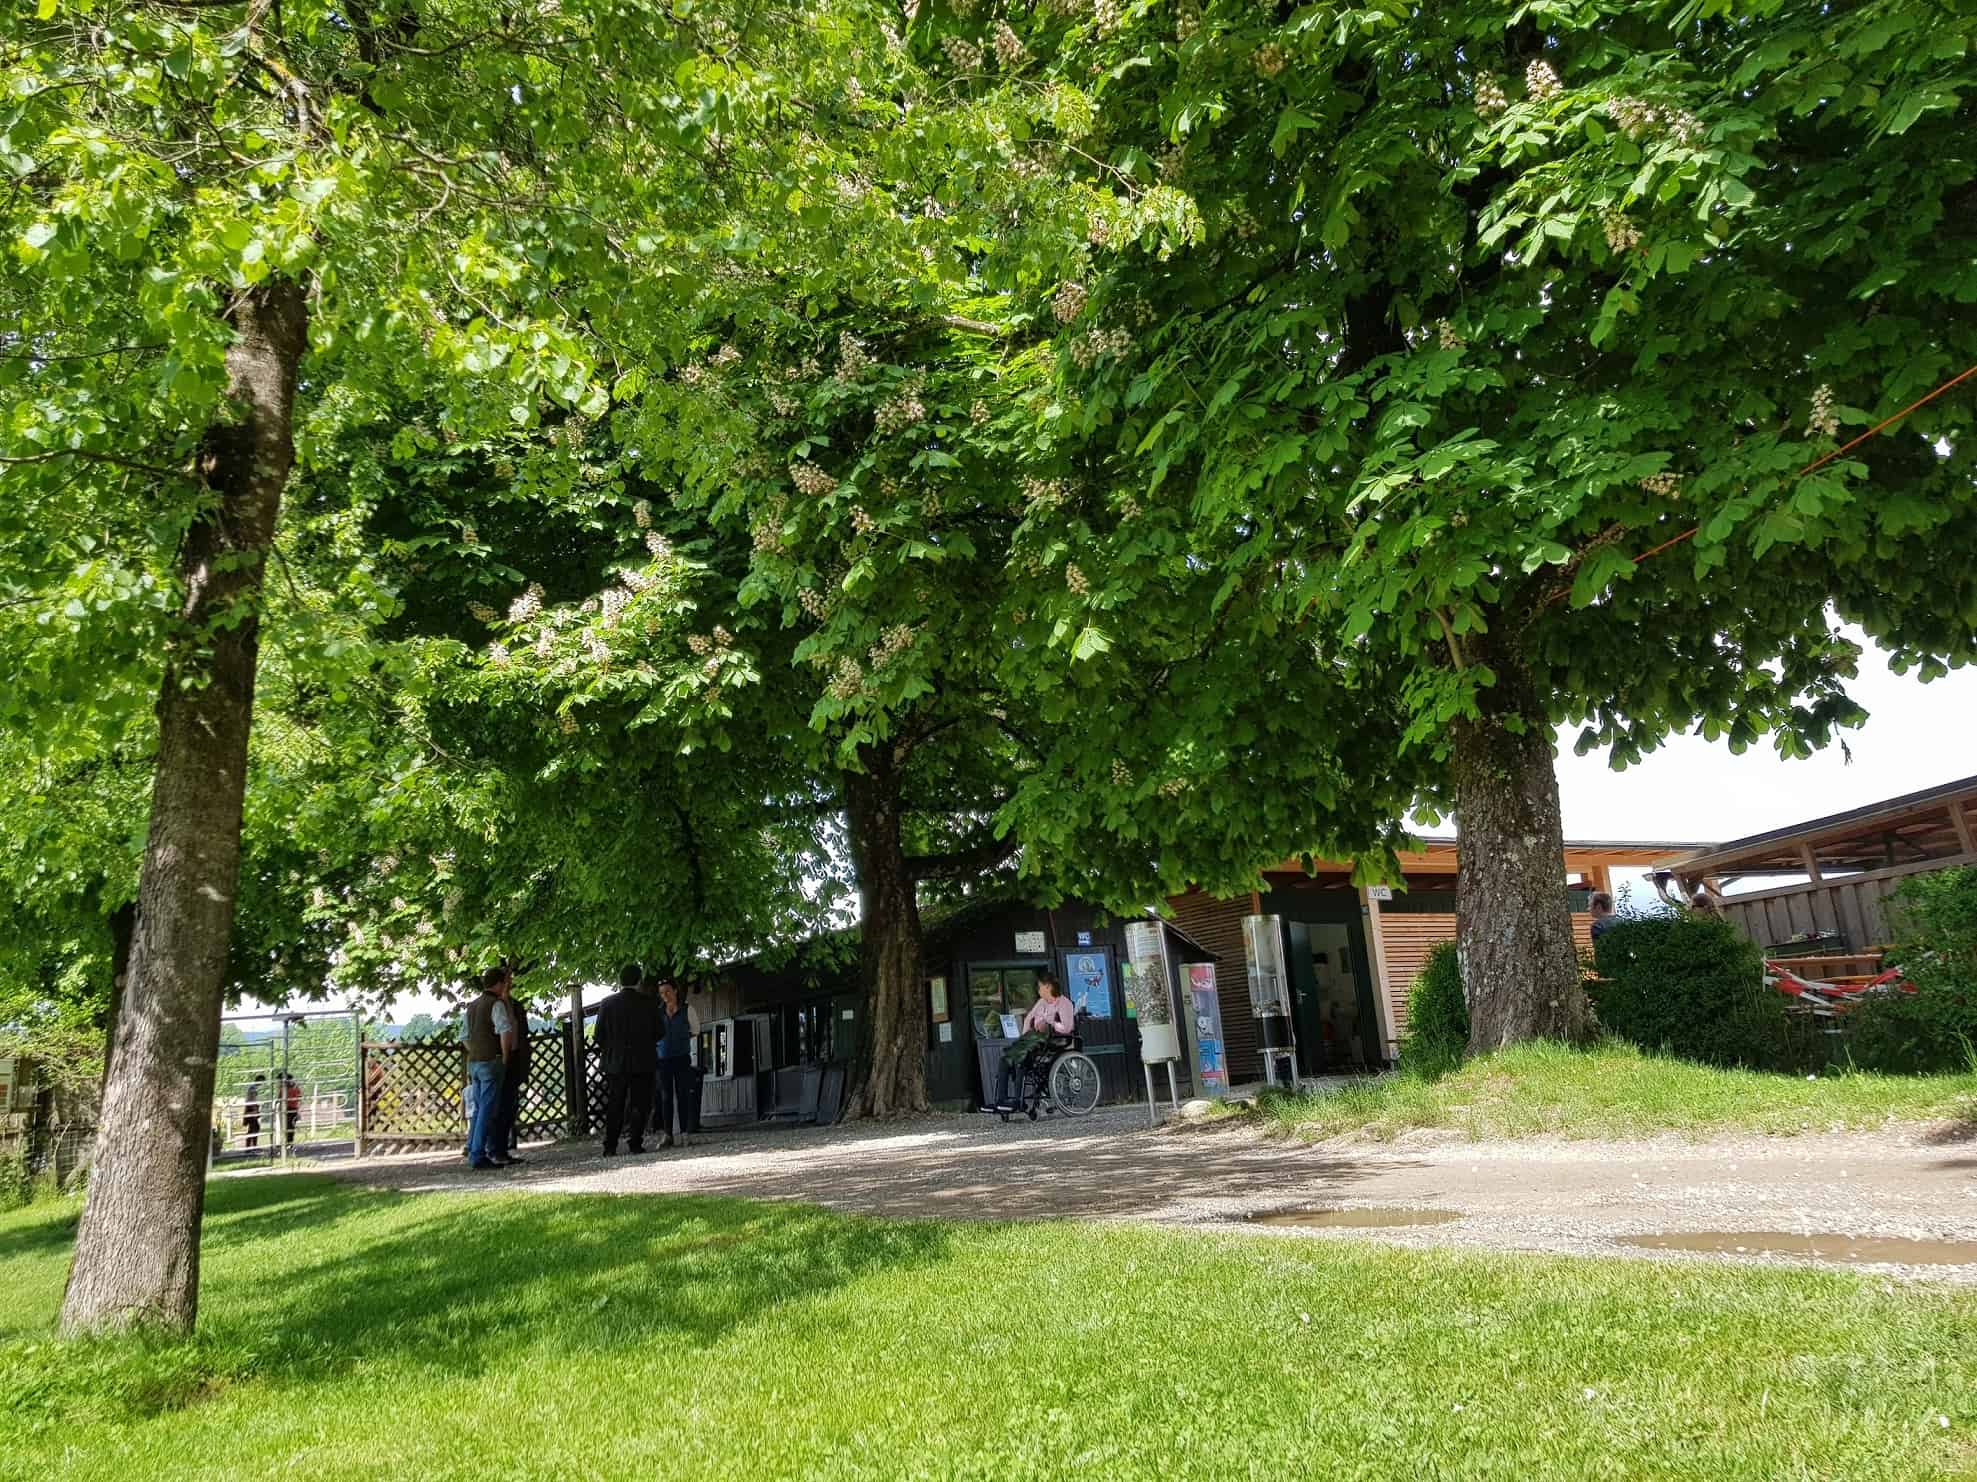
point(627, 1041)
point(490, 1040)
point(679, 1033)
point(291, 1095)
point(514, 1075)
point(1601, 907)
point(250, 1111)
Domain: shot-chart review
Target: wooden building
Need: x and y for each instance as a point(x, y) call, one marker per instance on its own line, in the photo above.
point(1352, 955)
point(777, 1038)
point(1834, 874)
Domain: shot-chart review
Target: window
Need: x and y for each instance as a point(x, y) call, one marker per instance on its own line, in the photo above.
point(717, 1050)
point(995, 991)
point(806, 1034)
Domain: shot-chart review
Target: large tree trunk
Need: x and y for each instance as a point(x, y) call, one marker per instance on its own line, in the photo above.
point(892, 1072)
point(137, 1251)
point(123, 928)
point(1520, 967)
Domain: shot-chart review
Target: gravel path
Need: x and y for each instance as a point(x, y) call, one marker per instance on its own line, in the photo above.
point(1543, 1195)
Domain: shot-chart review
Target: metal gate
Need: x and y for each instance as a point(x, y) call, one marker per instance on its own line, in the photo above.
point(285, 1085)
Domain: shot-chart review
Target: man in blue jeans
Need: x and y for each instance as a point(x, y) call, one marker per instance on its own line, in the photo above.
point(490, 1041)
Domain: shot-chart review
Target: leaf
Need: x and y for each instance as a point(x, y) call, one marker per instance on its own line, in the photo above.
point(1545, 553)
point(1091, 643)
point(1289, 122)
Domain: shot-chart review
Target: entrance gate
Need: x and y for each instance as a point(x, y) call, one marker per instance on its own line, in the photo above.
point(285, 1085)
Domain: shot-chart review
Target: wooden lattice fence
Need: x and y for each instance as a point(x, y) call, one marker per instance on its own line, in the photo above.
point(593, 1086)
point(415, 1095)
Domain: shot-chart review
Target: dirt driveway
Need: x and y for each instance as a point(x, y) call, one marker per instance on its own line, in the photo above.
point(1573, 1197)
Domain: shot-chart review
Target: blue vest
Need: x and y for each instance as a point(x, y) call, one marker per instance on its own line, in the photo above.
point(677, 1042)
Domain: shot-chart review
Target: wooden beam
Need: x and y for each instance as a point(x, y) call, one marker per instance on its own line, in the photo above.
point(1960, 821)
point(1811, 860)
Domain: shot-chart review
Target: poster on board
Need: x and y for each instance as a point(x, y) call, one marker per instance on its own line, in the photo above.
point(1088, 979)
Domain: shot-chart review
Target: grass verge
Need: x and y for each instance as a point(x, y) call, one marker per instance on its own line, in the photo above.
point(348, 1333)
point(1614, 1091)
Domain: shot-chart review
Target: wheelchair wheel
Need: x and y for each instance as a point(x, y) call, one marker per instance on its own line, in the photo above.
point(1074, 1083)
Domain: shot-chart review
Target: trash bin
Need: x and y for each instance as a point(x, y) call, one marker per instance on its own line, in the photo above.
point(988, 1056)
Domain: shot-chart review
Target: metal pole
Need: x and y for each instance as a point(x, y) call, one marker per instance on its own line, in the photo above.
point(357, 1069)
point(281, 1092)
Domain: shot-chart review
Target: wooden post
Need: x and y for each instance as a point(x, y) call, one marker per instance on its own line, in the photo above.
point(1382, 997)
point(1961, 824)
point(1811, 862)
point(574, 1080)
point(363, 1088)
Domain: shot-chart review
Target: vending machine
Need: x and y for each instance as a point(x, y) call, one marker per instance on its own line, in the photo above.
point(1211, 1059)
point(1270, 996)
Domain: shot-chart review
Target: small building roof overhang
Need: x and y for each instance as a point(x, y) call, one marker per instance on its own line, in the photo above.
point(1934, 823)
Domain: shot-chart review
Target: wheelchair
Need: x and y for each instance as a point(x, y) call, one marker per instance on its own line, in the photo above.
point(1058, 1076)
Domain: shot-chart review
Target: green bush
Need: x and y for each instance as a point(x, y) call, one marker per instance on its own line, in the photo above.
point(1437, 1016)
point(1694, 987)
point(1935, 1027)
point(16, 1183)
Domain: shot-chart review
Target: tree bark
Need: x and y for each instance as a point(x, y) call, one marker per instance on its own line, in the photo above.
point(137, 1249)
point(1520, 967)
point(123, 927)
point(892, 1071)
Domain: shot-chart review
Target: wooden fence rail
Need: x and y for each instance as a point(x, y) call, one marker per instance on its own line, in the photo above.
point(415, 1094)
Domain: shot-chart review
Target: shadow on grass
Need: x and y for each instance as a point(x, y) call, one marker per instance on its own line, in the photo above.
point(306, 1279)
point(40, 1229)
point(458, 1285)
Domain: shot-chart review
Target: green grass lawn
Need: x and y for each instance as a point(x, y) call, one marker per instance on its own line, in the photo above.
point(1614, 1090)
point(355, 1334)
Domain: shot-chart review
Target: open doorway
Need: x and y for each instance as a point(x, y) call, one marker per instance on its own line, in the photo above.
point(1338, 1032)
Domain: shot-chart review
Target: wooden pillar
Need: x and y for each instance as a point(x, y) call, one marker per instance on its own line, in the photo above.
point(1382, 996)
point(1811, 862)
point(1961, 823)
point(574, 1080)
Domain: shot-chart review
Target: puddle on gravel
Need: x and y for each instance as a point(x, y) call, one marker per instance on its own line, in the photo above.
point(1885, 1249)
point(1355, 1219)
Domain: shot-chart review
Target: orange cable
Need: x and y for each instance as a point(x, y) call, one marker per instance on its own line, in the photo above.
point(1828, 458)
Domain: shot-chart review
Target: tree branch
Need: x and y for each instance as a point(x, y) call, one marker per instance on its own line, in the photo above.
point(110, 458)
point(959, 861)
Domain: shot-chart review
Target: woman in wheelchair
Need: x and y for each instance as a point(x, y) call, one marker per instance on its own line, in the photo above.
point(1049, 1025)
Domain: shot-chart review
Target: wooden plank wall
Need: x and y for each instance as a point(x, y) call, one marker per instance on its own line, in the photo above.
point(1855, 906)
point(1408, 939)
point(1217, 925)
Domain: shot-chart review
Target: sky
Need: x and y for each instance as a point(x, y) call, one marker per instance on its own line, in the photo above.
point(1692, 790)
point(1916, 735)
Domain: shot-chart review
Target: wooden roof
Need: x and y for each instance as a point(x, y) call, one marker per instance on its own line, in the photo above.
point(1437, 856)
point(1937, 823)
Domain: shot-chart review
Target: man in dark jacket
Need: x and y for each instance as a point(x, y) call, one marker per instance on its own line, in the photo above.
point(628, 1046)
